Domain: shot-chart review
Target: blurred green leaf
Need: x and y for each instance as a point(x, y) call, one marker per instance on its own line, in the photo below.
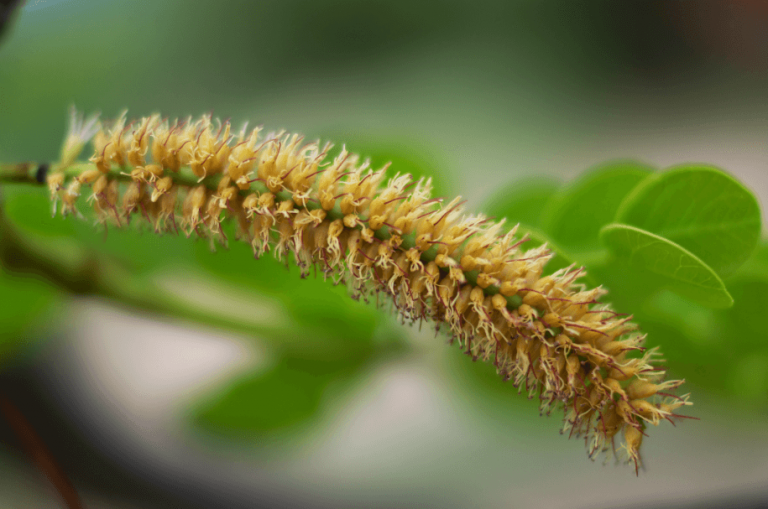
point(757, 264)
point(522, 201)
point(746, 319)
point(284, 398)
point(748, 379)
point(24, 301)
point(682, 271)
point(724, 351)
point(701, 208)
point(628, 285)
point(574, 215)
point(720, 350)
point(29, 208)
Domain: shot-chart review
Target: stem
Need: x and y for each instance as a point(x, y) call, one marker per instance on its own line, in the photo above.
point(42, 457)
point(30, 173)
point(19, 172)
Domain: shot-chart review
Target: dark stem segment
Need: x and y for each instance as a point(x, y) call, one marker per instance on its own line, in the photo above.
point(21, 172)
point(39, 453)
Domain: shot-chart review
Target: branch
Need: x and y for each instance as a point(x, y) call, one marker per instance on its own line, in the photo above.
point(37, 450)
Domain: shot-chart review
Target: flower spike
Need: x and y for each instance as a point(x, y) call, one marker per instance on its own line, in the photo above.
point(390, 239)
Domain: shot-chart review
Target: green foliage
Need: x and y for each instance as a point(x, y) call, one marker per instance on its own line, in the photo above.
point(576, 212)
point(722, 350)
point(25, 301)
point(523, 201)
point(285, 397)
point(684, 273)
point(702, 209)
point(681, 230)
point(325, 321)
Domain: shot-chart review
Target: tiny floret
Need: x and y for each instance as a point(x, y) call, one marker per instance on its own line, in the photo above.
point(79, 133)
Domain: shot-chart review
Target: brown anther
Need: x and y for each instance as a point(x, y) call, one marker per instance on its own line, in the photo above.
point(457, 275)
point(526, 312)
point(462, 302)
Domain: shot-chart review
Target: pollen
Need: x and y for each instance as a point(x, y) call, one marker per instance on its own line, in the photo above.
point(387, 238)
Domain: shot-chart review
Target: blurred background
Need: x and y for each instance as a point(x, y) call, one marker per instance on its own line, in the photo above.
point(327, 402)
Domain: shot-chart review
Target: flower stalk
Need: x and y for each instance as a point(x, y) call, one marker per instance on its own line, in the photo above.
point(549, 335)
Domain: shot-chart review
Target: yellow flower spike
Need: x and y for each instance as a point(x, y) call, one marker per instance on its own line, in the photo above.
point(549, 335)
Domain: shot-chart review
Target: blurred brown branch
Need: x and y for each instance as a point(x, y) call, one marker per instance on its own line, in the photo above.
point(39, 453)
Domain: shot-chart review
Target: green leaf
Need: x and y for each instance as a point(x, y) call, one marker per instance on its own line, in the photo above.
point(748, 380)
point(522, 201)
point(724, 351)
point(281, 399)
point(29, 209)
point(702, 209)
point(24, 301)
point(751, 294)
point(679, 270)
point(757, 264)
point(575, 214)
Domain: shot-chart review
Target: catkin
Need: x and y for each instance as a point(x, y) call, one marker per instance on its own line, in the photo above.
point(547, 335)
